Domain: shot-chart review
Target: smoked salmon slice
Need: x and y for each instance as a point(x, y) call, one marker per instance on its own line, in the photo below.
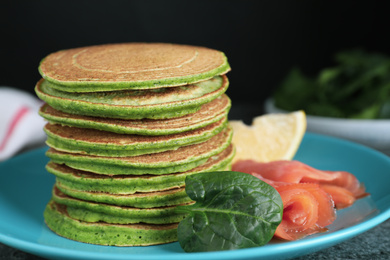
point(342, 197)
point(298, 172)
point(309, 195)
point(307, 210)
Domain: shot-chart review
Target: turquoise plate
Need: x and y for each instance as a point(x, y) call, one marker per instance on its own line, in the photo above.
point(25, 188)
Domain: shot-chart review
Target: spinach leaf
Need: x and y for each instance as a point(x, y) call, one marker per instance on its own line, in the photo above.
point(232, 210)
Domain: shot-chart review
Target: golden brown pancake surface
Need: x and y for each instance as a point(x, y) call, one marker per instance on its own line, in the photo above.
point(131, 65)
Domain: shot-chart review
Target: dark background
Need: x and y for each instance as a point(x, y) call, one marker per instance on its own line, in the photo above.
point(262, 39)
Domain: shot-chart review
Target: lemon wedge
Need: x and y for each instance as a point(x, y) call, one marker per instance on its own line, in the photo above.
point(270, 137)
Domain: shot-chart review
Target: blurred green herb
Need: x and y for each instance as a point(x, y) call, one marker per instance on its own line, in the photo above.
point(357, 87)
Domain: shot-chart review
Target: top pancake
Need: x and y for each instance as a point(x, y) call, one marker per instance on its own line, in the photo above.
point(131, 66)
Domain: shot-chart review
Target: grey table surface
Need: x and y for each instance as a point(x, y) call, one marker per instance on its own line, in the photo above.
point(373, 244)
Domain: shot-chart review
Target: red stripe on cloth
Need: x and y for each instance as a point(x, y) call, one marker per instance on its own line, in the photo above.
point(18, 116)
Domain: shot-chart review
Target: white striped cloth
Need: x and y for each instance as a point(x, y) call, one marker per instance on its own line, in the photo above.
point(20, 124)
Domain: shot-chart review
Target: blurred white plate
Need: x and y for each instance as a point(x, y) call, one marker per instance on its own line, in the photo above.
point(370, 132)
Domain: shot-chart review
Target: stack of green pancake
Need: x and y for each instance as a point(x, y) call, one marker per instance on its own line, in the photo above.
point(126, 124)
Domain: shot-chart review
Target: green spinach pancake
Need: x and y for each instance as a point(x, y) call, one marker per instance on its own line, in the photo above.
point(127, 123)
